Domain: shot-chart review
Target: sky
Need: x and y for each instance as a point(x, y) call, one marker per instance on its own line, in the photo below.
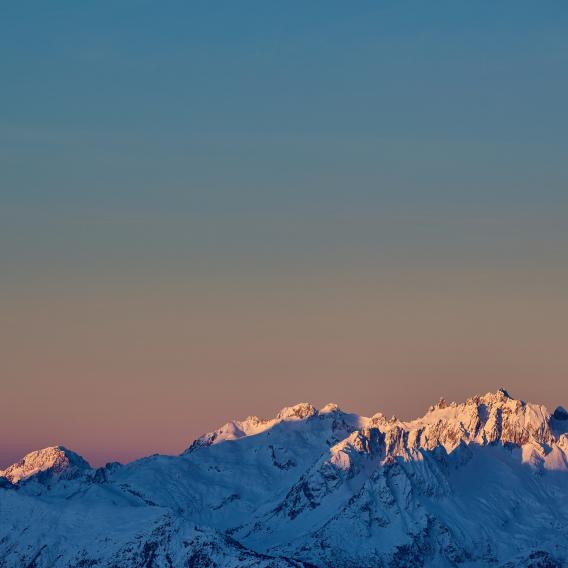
point(210, 210)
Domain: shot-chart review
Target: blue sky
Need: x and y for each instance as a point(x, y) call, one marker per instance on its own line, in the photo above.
point(441, 111)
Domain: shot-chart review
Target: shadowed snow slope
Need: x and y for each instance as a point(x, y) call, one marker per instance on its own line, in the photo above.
point(484, 482)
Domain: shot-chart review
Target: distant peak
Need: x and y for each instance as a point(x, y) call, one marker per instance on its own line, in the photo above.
point(56, 459)
point(298, 411)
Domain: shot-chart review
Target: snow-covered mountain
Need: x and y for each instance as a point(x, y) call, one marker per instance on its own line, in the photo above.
point(480, 483)
point(55, 460)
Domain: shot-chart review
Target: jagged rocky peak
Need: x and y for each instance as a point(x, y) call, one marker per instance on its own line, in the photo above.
point(484, 419)
point(299, 411)
point(55, 459)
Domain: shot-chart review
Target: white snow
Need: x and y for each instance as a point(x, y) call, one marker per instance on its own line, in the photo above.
point(474, 483)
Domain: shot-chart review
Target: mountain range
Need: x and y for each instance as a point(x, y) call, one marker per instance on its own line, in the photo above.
point(478, 483)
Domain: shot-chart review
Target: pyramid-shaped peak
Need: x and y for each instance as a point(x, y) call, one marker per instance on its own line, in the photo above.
point(55, 459)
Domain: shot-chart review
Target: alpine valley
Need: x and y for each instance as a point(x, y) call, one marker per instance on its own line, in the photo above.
point(478, 483)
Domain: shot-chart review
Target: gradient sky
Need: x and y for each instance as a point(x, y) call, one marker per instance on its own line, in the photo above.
point(216, 209)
